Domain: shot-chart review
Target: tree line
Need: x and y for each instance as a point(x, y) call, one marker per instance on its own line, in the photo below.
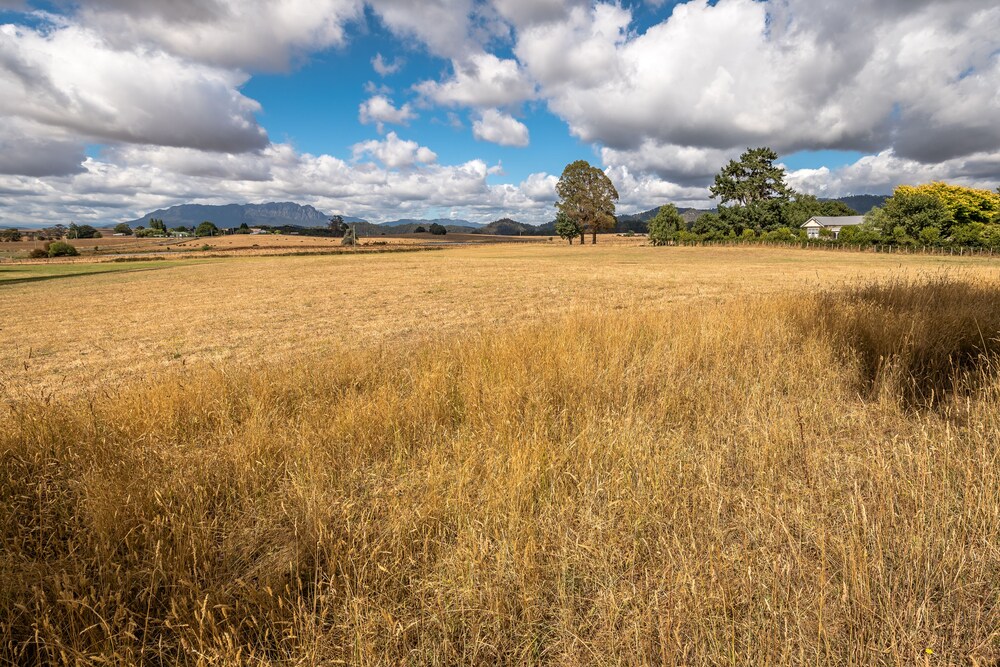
point(754, 200)
point(757, 204)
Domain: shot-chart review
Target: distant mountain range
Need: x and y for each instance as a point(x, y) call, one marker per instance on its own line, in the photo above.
point(272, 214)
point(418, 222)
point(291, 217)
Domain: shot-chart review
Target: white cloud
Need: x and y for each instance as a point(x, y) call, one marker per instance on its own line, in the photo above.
point(682, 164)
point(259, 34)
point(639, 192)
point(380, 110)
point(792, 74)
point(443, 26)
point(540, 187)
point(881, 173)
point(394, 152)
point(383, 67)
point(913, 82)
point(69, 81)
point(500, 128)
point(481, 80)
point(31, 150)
point(529, 12)
point(132, 182)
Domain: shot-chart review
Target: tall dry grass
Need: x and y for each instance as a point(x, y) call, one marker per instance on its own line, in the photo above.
point(701, 485)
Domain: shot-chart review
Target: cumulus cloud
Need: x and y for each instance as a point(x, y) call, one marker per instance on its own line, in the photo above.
point(384, 67)
point(110, 189)
point(258, 34)
point(680, 164)
point(912, 82)
point(920, 77)
point(540, 187)
point(500, 128)
point(25, 149)
point(481, 80)
point(881, 173)
point(380, 110)
point(394, 152)
point(69, 80)
point(523, 13)
point(638, 191)
point(443, 26)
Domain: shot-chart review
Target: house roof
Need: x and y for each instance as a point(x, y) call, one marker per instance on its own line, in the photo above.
point(835, 220)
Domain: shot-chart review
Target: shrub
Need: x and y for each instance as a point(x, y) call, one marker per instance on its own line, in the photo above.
point(930, 235)
point(780, 235)
point(438, 230)
point(860, 235)
point(967, 235)
point(206, 229)
point(62, 249)
point(991, 236)
point(420, 230)
point(665, 225)
point(38, 253)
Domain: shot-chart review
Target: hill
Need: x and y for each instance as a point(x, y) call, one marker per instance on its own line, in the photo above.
point(638, 222)
point(509, 227)
point(420, 222)
point(861, 203)
point(273, 214)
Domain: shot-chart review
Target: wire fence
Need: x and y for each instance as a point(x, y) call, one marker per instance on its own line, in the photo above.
point(959, 251)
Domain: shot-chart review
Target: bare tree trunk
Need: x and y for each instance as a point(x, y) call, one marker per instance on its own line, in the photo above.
point(570, 239)
point(593, 240)
point(583, 238)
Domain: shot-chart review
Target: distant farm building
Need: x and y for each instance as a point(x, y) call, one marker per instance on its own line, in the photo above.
point(834, 224)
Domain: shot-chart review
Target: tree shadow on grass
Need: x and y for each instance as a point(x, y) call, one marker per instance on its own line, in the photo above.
point(34, 279)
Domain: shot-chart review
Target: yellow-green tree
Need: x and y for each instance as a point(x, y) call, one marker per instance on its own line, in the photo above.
point(965, 204)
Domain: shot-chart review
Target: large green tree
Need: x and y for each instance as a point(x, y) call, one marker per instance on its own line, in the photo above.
point(587, 197)
point(751, 180)
point(665, 225)
point(911, 211)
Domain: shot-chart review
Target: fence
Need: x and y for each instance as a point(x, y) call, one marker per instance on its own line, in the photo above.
point(960, 251)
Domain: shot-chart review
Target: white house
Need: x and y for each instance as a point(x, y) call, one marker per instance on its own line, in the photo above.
point(833, 223)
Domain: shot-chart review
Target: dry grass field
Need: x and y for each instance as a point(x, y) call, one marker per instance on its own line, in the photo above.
point(504, 455)
point(269, 244)
point(91, 249)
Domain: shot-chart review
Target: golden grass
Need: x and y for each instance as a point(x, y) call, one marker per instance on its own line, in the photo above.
point(631, 481)
point(94, 332)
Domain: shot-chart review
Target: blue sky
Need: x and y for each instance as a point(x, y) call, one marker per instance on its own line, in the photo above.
point(109, 109)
